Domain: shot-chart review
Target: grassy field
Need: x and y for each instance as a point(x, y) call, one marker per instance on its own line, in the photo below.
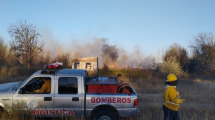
point(199, 104)
point(198, 90)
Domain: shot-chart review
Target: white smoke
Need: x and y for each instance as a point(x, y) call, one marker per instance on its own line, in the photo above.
point(97, 47)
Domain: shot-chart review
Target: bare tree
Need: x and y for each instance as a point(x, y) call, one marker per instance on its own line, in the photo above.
point(76, 54)
point(25, 42)
point(124, 61)
point(3, 51)
point(62, 57)
point(203, 48)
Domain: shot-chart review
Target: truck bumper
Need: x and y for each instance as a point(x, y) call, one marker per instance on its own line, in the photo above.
point(138, 112)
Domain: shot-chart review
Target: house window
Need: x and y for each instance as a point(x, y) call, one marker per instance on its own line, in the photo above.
point(77, 65)
point(88, 65)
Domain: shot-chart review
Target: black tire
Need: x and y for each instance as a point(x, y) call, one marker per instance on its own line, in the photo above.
point(105, 114)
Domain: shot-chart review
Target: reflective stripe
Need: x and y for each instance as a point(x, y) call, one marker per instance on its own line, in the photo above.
point(172, 103)
point(169, 86)
point(178, 101)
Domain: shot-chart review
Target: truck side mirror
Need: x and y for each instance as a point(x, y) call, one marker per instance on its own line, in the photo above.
point(118, 75)
point(22, 91)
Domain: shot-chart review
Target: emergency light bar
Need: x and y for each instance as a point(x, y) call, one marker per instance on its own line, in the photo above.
point(52, 68)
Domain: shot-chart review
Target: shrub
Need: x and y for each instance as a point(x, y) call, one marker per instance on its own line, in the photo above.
point(179, 53)
point(4, 71)
point(13, 71)
point(170, 66)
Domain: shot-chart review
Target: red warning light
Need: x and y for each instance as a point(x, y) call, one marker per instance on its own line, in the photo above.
point(52, 66)
point(136, 103)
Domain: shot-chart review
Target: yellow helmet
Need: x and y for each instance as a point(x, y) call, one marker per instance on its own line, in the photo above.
point(171, 77)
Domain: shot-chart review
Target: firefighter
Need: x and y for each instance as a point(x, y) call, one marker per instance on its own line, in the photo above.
point(46, 86)
point(172, 99)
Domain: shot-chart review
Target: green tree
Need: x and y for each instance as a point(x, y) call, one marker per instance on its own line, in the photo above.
point(170, 66)
point(178, 53)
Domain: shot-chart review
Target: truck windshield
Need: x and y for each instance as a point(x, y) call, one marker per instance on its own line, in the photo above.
point(17, 86)
point(21, 84)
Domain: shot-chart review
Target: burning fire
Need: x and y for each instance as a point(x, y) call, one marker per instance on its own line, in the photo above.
point(113, 66)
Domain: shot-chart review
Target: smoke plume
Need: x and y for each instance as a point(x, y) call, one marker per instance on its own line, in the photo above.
point(99, 47)
point(110, 51)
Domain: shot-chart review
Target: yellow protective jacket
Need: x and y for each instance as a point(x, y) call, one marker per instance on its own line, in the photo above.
point(45, 88)
point(170, 96)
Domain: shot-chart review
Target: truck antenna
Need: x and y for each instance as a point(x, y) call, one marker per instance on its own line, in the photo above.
point(56, 47)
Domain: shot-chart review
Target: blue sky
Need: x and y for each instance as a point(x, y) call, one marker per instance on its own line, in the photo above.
point(150, 24)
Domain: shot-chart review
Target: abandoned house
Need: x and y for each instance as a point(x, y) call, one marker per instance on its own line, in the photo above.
point(89, 63)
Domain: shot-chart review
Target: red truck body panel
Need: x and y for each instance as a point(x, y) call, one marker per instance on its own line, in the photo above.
point(103, 85)
point(93, 88)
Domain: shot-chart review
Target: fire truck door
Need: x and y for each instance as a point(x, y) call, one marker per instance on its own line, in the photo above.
point(68, 96)
point(38, 104)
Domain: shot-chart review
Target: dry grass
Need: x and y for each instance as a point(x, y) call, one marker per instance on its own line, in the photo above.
point(197, 90)
point(199, 95)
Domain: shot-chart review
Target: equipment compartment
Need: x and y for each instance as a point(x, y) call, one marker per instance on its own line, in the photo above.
point(102, 85)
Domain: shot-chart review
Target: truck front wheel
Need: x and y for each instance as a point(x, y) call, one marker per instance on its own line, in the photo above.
point(105, 114)
point(3, 112)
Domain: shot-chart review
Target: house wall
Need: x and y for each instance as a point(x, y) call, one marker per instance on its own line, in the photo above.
point(82, 64)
